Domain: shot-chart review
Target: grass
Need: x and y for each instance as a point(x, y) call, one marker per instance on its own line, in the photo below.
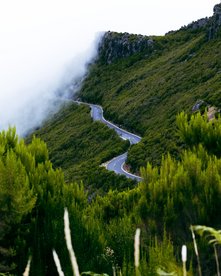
point(75, 269)
point(201, 230)
point(145, 92)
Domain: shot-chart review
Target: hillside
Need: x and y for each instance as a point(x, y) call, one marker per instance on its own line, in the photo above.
point(143, 82)
point(79, 146)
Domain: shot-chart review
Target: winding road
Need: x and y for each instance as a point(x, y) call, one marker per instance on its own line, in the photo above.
point(117, 163)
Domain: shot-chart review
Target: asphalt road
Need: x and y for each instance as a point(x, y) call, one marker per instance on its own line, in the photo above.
point(97, 115)
point(117, 163)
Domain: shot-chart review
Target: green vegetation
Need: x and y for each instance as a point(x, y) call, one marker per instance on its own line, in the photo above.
point(79, 146)
point(164, 205)
point(32, 199)
point(199, 130)
point(144, 92)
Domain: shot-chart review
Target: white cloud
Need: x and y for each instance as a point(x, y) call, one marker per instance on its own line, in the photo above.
point(40, 43)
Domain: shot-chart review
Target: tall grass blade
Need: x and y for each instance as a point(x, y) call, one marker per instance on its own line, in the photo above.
point(196, 251)
point(137, 251)
point(67, 232)
point(58, 264)
point(27, 269)
point(217, 260)
point(184, 259)
point(114, 270)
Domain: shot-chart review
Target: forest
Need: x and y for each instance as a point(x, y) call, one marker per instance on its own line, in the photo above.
point(180, 193)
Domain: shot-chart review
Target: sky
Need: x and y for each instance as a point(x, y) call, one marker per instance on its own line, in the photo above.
point(45, 44)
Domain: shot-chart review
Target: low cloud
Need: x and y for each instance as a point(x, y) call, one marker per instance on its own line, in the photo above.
point(40, 54)
point(46, 44)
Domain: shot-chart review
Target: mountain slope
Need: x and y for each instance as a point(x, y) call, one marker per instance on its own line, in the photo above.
point(145, 88)
point(78, 145)
point(142, 83)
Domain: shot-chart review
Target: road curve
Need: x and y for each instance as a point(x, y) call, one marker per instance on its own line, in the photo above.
point(117, 163)
point(97, 115)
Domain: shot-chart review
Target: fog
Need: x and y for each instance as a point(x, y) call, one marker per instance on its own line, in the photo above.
point(46, 44)
point(40, 54)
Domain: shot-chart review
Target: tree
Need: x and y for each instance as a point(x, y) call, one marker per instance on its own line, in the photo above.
point(17, 198)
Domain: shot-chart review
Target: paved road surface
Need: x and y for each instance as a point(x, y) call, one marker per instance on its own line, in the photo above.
point(117, 163)
point(97, 115)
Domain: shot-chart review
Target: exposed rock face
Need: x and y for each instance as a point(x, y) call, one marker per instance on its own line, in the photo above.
point(120, 45)
point(217, 12)
point(215, 21)
point(198, 24)
point(211, 24)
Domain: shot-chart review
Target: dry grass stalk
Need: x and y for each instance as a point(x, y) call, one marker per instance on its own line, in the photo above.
point(27, 269)
point(137, 251)
point(114, 270)
point(58, 264)
point(67, 232)
point(184, 259)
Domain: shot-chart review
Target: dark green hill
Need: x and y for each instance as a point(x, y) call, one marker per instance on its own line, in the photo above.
point(143, 82)
point(78, 145)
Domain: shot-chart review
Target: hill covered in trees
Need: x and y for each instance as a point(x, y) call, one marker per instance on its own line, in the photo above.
point(144, 84)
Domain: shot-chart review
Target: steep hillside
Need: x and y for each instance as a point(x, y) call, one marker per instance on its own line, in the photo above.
point(78, 145)
point(143, 82)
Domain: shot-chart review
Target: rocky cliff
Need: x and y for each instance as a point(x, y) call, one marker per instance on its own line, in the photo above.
point(215, 22)
point(121, 45)
point(211, 24)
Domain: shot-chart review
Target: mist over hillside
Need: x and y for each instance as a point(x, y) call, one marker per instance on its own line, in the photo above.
point(30, 90)
point(45, 45)
point(40, 53)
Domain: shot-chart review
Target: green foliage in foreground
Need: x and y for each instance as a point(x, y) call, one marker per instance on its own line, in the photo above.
point(79, 146)
point(213, 235)
point(172, 197)
point(32, 198)
point(199, 130)
point(145, 92)
point(164, 206)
